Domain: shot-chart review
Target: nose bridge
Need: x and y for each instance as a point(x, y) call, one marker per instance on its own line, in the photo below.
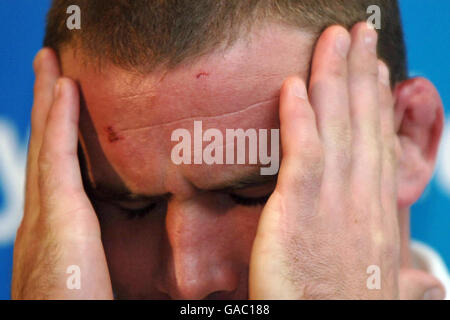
point(197, 265)
point(188, 222)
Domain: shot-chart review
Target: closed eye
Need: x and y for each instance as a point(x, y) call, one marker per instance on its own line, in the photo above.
point(140, 209)
point(249, 201)
point(137, 212)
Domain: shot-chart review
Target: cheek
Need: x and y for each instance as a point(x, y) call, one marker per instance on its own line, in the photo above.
point(243, 228)
point(131, 246)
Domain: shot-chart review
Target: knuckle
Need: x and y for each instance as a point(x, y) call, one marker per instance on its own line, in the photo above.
point(337, 69)
point(306, 146)
point(384, 243)
point(332, 78)
point(43, 177)
point(371, 72)
point(314, 158)
point(390, 153)
point(313, 166)
point(306, 175)
point(341, 133)
point(364, 188)
point(371, 156)
point(45, 166)
point(343, 158)
point(364, 72)
point(44, 159)
point(367, 158)
point(341, 143)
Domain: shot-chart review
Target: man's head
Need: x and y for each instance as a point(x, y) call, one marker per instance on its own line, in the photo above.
point(147, 68)
point(143, 35)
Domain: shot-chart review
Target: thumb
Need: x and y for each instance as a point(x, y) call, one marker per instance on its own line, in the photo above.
point(419, 285)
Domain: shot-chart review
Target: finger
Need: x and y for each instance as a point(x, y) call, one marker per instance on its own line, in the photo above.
point(419, 285)
point(294, 198)
point(364, 108)
point(329, 96)
point(46, 69)
point(388, 183)
point(59, 172)
point(302, 162)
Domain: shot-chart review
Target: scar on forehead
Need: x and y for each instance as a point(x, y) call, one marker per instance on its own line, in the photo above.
point(112, 135)
point(202, 74)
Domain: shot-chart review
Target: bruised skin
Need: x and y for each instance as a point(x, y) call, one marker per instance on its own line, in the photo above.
point(197, 244)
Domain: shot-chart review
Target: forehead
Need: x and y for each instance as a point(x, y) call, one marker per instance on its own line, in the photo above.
point(127, 119)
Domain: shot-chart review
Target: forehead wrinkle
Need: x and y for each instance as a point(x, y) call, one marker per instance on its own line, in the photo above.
point(150, 93)
point(205, 117)
point(158, 90)
point(140, 85)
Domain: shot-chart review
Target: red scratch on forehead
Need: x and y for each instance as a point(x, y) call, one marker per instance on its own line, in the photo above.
point(202, 74)
point(112, 135)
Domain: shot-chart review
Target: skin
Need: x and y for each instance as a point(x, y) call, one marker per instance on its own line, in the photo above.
point(355, 156)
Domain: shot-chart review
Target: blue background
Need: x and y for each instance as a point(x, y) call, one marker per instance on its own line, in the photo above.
point(427, 31)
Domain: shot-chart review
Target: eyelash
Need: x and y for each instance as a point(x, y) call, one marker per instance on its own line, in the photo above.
point(243, 201)
point(138, 213)
point(249, 202)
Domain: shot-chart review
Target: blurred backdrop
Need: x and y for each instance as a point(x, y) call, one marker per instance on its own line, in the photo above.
point(427, 31)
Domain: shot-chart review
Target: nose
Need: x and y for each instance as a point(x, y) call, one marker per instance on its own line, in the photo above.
point(198, 257)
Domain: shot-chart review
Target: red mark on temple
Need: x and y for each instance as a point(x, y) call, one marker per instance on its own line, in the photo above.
point(202, 74)
point(112, 135)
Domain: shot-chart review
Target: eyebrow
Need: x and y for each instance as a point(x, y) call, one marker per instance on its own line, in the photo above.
point(109, 193)
point(251, 180)
point(106, 192)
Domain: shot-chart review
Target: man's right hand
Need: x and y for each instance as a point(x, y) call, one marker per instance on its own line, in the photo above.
point(59, 227)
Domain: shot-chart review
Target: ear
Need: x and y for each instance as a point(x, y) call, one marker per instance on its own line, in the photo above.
point(419, 121)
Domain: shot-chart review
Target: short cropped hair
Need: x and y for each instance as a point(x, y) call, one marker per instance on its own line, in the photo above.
point(145, 34)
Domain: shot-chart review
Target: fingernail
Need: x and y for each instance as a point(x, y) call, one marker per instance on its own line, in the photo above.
point(299, 90)
point(383, 73)
point(57, 89)
point(434, 294)
point(343, 44)
point(370, 40)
